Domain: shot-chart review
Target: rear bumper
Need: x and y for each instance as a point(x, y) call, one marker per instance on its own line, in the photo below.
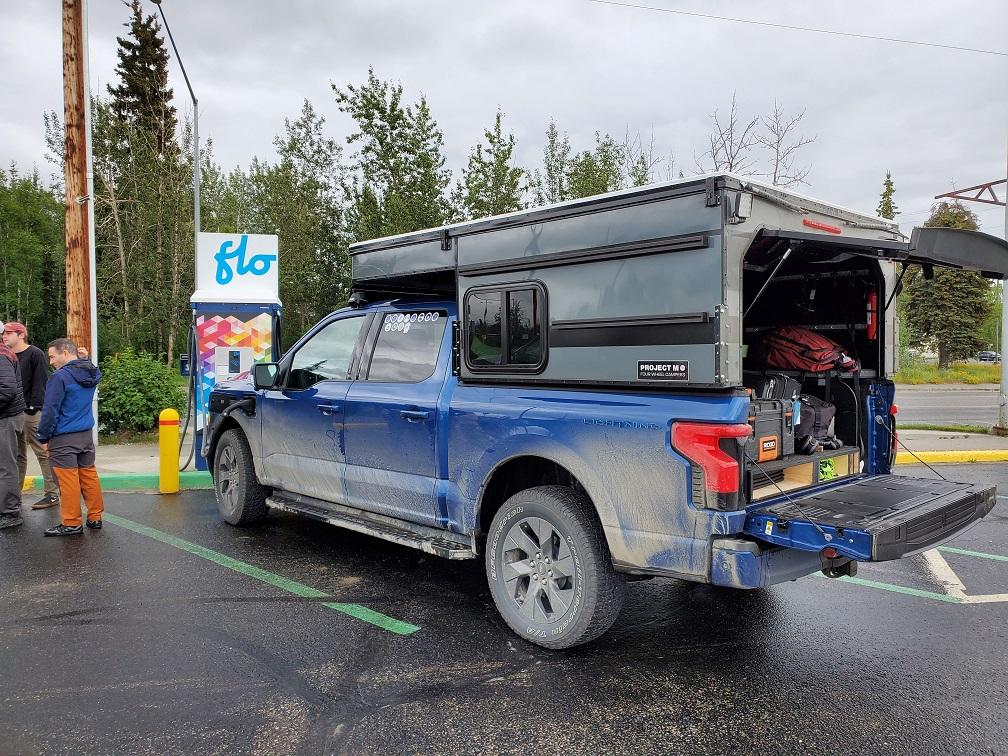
point(736, 563)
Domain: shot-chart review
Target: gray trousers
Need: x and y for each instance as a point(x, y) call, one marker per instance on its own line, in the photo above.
point(10, 480)
point(28, 440)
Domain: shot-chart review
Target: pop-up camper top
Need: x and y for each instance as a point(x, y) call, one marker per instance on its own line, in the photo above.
point(687, 274)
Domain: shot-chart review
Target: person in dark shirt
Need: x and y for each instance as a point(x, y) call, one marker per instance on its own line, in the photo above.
point(34, 369)
point(11, 419)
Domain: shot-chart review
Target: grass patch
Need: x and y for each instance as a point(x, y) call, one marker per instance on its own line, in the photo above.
point(950, 427)
point(960, 372)
point(128, 437)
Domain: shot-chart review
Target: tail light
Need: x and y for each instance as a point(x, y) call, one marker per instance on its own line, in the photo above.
point(714, 452)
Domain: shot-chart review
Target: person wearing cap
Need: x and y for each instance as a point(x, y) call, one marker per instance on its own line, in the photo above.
point(11, 414)
point(32, 365)
point(66, 427)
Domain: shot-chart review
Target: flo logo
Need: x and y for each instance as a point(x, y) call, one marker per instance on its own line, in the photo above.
point(256, 265)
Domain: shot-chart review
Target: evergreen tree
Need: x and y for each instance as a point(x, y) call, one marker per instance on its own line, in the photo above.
point(949, 309)
point(490, 184)
point(142, 98)
point(886, 207)
point(32, 265)
point(400, 182)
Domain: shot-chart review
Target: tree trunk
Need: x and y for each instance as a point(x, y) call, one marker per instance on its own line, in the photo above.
point(943, 356)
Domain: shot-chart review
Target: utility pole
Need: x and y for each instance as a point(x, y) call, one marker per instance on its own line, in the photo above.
point(985, 193)
point(78, 259)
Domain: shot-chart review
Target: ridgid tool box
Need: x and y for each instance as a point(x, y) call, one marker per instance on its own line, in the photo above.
point(773, 428)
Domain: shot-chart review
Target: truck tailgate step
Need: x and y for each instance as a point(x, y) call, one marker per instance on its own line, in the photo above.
point(876, 518)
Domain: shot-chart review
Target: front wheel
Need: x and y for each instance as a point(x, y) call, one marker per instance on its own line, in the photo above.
point(549, 568)
point(241, 499)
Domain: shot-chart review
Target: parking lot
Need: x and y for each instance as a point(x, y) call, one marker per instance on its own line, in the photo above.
point(170, 632)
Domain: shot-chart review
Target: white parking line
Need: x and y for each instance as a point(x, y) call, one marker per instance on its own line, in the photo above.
point(944, 575)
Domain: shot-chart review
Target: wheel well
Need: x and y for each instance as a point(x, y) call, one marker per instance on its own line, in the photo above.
point(516, 475)
point(226, 423)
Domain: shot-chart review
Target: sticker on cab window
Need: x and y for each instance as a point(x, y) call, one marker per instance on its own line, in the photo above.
point(403, 321)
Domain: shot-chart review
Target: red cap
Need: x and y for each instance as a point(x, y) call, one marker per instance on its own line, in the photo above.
point(15, 327)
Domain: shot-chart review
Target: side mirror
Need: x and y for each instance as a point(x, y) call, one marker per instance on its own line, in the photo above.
point(264, 374)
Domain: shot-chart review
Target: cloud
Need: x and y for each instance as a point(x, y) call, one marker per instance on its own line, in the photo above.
point(934, 117)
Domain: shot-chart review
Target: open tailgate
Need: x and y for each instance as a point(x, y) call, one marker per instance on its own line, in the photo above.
point(871, 519)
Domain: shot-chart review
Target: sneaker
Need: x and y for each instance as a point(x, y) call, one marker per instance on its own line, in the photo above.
point(10, 521)
point(45, 502)
point(93, 524)
point(64, 530)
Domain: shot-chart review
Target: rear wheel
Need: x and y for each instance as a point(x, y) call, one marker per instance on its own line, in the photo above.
point(549, 568)
point(241, 499)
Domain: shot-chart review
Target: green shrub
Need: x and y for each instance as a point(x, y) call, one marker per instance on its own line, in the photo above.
point(133, 391)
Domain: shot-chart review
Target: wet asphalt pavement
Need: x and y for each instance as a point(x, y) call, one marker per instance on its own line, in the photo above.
point(118, 642)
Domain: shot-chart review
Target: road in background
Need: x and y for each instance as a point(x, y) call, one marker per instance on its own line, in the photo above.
point(937, 404)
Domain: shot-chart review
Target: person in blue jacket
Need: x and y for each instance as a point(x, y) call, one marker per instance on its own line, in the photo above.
point(66, 427)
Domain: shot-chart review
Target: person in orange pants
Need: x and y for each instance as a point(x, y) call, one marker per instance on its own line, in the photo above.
point(66, 428)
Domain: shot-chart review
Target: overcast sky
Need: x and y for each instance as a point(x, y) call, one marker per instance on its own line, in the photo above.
point(936, 118)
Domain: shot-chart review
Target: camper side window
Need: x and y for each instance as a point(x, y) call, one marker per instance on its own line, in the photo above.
point(504, 329)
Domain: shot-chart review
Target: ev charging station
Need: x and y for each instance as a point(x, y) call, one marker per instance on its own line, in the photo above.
point(236, 315)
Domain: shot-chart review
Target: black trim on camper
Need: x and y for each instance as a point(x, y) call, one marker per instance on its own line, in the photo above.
point(542, 316)
point(684, 328)
point(593, 254)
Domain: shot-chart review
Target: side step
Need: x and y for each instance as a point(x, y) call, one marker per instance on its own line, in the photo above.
point(431, 540)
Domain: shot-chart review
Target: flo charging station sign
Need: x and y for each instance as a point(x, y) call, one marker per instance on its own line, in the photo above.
point(237, 268)
point(236, 308)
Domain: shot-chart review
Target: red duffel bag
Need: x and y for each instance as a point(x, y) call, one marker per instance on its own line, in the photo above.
point(795, 348)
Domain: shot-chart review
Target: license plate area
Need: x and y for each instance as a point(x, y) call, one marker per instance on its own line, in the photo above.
point(874, 518)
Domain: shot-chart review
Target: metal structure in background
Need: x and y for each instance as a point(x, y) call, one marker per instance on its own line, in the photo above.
point(985, 193)
point(195, 105)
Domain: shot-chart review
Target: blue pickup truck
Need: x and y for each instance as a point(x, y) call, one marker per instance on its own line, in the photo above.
point(569, 392)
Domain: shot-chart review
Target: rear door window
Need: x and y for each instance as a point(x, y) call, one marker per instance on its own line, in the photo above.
point(408, 346)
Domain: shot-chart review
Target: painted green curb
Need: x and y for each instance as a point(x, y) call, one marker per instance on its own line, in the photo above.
point(188, 481)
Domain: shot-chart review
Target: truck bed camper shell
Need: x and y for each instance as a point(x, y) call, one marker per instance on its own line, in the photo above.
point(669, 285)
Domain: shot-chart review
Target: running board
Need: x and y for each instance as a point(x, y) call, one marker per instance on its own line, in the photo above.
point(430, 540)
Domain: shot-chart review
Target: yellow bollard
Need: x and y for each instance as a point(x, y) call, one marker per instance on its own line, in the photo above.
point(168, 444)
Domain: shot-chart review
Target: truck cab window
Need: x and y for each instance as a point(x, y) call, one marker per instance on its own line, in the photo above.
point(407, 347)
point(326, 356)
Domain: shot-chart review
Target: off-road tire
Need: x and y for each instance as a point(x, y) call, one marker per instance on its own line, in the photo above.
point(574, 543)
point(241, 498)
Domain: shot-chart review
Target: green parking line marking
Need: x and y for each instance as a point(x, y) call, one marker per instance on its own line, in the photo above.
point(399, 627)
point(901, 589)
point(967, 552)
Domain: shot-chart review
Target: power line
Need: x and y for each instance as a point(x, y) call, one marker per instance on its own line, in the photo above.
point(799, 28)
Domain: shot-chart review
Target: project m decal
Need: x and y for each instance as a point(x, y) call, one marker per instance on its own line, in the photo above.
point(663, 370)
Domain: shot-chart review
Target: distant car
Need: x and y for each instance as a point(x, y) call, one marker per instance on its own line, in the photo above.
point(988, 356)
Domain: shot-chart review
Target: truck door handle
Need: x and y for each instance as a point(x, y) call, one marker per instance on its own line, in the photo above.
point(414, 415)
point(328, 409)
